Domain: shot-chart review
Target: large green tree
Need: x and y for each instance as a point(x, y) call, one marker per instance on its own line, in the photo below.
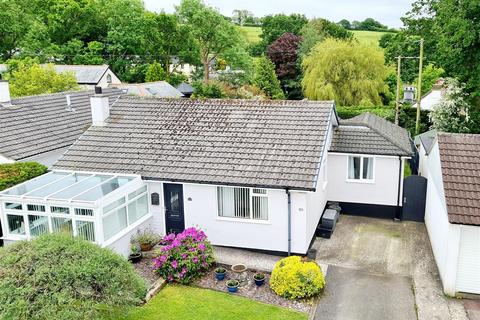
point(273, 26)
point(317, 30)
point(347, 72)
point(213, 34)
point(266, 79)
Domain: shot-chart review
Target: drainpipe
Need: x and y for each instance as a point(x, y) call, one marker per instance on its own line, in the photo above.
point(398, 215)
point(289, 197)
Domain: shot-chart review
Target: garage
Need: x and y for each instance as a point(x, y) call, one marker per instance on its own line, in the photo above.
point(468, 271)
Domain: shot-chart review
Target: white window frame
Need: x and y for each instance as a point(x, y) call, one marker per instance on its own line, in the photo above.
point(362, 157)
point(250, 213)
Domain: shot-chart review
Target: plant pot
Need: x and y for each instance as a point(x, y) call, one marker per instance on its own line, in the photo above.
point(259, 282)
point(232, 286)
point(146, 246)
point(220, 275)
point(135, 257)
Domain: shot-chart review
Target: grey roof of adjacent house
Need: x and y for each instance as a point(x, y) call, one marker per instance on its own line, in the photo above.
point(426, 139)
point(185, 88)
point(85, 74)
point(460, 163)
point(370, 134)
point(38, 124)
point(272, 144)
point(159, 89)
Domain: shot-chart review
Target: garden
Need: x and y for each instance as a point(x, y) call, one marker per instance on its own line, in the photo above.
point(187, 259)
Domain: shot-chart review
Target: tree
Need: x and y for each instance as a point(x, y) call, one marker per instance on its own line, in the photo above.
point(430, 75)
point(240, 17)
point(274, 26)
point(452, 113)
point(155, 72)
point(32, 79)
point(14, 23)
point(347, 72)
point(345, 24)
point(266, 79)
point(213, 34)
point(317, 30)
point(371, 24)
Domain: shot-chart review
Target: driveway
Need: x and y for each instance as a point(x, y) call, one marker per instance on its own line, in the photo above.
point(354, 294)
point(389, 255)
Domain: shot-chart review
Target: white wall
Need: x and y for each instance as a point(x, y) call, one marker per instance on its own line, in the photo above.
point(103, 81)
point(383, 191)
point(422, 163)
point(4, 159)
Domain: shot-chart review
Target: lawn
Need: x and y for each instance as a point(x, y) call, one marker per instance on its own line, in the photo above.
point(182, 302)
point(251, 34)
point(368, 37)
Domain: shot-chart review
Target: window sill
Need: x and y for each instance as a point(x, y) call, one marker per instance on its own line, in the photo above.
point(360, 181)
point(266, 222)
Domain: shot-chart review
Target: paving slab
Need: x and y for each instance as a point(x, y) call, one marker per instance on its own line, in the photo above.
point(353, 294)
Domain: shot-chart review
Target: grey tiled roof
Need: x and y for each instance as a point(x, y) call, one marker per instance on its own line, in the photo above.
point(38, 124)
point(276, 144)
point(185, 88)
point(371, 134)
point(85, 74)
point(159, 89)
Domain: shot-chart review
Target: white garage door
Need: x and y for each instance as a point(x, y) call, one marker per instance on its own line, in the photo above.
point(468, 272)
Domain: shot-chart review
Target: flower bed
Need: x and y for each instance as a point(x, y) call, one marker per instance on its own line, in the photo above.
point(252, 291)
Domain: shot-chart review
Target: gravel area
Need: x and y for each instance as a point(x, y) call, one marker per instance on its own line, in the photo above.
point(144, 270)
point(252, 291)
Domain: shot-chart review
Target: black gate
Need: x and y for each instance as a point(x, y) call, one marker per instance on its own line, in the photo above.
point(414, 196)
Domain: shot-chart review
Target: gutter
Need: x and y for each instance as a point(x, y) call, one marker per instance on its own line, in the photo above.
point(398, 215)
point(289, 222)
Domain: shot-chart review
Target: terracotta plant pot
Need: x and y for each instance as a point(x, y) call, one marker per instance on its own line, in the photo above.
point(146, 246)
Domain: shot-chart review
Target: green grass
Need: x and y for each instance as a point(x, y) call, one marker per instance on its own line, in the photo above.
point(182, 302)
point(370, 38)
point(251, 34)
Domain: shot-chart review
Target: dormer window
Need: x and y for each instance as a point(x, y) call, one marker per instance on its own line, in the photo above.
point(109, 78)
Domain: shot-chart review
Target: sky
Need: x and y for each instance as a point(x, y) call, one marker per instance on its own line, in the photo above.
point(388, 12)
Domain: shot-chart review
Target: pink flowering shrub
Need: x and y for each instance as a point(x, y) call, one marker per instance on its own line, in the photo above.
point(184, 257)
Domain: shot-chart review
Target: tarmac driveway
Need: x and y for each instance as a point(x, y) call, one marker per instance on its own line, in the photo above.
point(381, 269)
point(354, 294)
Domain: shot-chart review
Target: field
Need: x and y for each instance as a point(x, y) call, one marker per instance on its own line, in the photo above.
point(251, 34)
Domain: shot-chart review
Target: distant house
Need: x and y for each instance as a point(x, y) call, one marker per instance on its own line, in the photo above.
point(186, 89)
point(183, 68)
point(158, 89)
point(433, 97)
point(88, 76)
point(40, 128)
point(451, 163)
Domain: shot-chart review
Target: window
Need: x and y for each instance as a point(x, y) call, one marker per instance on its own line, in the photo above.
point(109, 78)
point(242, 203)
point(85, 230)
point(62, 225)
point(16, 224)
point(360, 168)
point(113, 205)
point(38, 225)
point(114, 222)
point(83, 212)
point(155, 199)
point(35, 207)
point(137, 192)
point(63, 210)
point(13, 206)
point(137, 209)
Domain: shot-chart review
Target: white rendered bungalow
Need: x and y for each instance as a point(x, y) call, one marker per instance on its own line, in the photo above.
point(451, 163)
point(252, 174)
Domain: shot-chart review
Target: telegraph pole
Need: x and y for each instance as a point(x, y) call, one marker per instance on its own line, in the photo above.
point(397, 100)
point(419, 88)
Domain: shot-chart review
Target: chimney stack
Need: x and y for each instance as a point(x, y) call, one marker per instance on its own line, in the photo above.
point(100, 108)
point(4, 91)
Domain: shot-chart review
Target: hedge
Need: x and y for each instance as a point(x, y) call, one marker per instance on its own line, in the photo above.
point(56, 276)
point(350, 112)
point(18, 172)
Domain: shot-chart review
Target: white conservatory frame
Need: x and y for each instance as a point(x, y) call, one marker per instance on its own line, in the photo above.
point(108, 191)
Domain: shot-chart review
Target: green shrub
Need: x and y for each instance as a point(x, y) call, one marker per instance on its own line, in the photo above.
point(350, 112)
point(211, 90)
point(294, 277)
point(56, 276)
point(18, 172)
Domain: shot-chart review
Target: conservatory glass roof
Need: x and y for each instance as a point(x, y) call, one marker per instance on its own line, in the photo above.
point(67, 185)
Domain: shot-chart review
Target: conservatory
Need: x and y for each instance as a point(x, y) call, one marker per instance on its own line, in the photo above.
point(101, 208)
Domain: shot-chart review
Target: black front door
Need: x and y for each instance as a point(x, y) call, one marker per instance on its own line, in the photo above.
point(174, 218)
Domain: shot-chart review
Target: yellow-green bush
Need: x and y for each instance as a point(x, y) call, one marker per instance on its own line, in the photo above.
point(294, 277)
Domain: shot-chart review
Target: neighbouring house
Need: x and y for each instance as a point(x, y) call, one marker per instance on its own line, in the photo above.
point(452, 213)
point(183, 68)
point(158, 89)
point(252, 174)
point(40, 128)
point(433, 97)
point(88, 76)
point(186, 89)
